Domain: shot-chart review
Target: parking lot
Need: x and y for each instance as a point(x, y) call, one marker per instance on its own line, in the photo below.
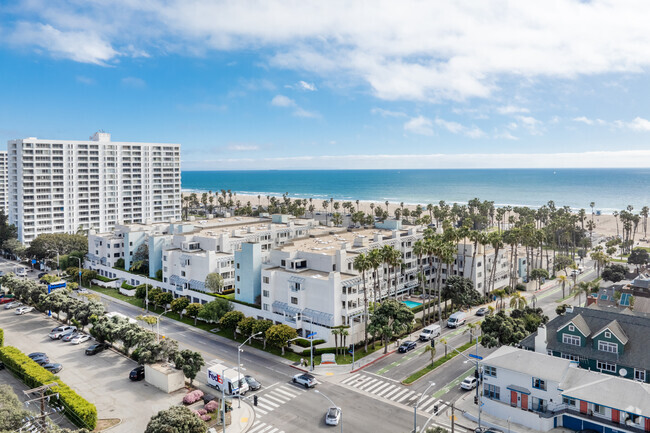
point(102, 379)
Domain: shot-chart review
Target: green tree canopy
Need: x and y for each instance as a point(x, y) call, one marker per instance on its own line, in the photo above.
point(246, 326)
point(176, 419)
point(190, 362)
point(614, 273)
point(461, 291)
point(179, 304)
point(501, 329)
point(231, 320)
point(213, 311)
point(194, 310)
point(279, 335)
point(47, 244)
point(262, 326)
point(391, 318)
point(214, 282)
point(639, 257)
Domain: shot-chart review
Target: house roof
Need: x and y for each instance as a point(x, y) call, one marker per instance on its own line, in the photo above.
point(634, 325)
point(615, 329)
point(579, 323)
point(607, 390)
point(527, 362)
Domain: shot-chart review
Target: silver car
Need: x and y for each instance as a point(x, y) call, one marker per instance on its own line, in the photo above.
point(62, 331)
point(14, 304)
point(333, 416)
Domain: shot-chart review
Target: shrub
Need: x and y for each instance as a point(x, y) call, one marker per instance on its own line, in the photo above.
point(319, 351)
point(206, 418)
point(127, 286)
point(119, 264)
point(104, 279)
point(211, 406)
point(2, 337)
point(193, 396)
point(33, 375)
point(202, 412)
point(302, 342)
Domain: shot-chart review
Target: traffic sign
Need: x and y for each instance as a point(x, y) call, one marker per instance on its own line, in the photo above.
point(475, 356)
point(312, 334)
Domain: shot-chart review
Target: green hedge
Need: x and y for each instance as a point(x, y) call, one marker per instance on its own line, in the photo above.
point(78, 409)
point(2, 337)
point(105, 279)
point(321, 351)
point(127, 286)
point(302, 342)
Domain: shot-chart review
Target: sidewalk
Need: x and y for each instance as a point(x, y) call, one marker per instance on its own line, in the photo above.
point(242, 418)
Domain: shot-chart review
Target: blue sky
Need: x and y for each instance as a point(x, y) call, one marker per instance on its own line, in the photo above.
point(367, 84)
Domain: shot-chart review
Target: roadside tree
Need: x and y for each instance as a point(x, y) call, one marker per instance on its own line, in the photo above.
point(190, 362)
point(279, 335)
point(194, 310)
point(231, 320)
point(213, 311)
point(214, 282)
point(391, 318)
point(262, 326)
point(179, 304)
point(614, 273)
point(638, 257)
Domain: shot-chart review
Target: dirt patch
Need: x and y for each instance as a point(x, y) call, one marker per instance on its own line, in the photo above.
point(105, 424)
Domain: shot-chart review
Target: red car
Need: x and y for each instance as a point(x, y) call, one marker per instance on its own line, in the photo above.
point(6, 300)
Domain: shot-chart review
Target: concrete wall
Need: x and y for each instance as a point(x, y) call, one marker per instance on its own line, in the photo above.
point(248, 268)
point(164, 378)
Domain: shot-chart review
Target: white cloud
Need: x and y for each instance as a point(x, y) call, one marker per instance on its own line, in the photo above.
point(303, 85)
point(512, 109)
point(505, 135)
point(133, 82)
point(639, 124)
point(608, 159)
point(408, 50)
point(282, 101)
point(387, 113)
point(457, 128)
point(583, 119)
point(242, 147)
point(419, 125)
point(531, 124)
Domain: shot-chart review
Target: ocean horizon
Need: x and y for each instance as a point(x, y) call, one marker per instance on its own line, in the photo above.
point(610, 189)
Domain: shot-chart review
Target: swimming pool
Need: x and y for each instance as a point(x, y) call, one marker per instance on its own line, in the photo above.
point(412, 304)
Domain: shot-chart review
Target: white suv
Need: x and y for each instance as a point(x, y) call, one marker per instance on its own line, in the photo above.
point(469, 383)
point(62, 331)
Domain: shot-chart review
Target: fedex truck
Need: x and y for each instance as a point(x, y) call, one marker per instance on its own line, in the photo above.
point(220, 376)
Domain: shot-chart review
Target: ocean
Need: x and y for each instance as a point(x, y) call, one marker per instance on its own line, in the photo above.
point(610, 189)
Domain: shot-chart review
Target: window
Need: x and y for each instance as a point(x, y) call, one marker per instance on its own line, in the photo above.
point(539, 383)
point(492, 391)
point(572, 328)
point(606, 366)
point(265, 293)
point(599, 409)
point(606, 346)
point(182, 273)
point(639, 375)
point(549, 352)
point(237, 277)
point(334, 267)
point(294, 301)
point(283, 263)
point(570, 357)
point(568, 401)
point(265, 307)
point(573, 340)
point(608, 335)
point(490, 371)
point(265, 280)
point(237, 265)
point(538, 404)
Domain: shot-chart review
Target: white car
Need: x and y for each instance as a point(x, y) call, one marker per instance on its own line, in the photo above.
point(305, 379)
point(79, 338)
point(23, 310)
point(82, 290)
point(469, 383)
point(61, 331)
point(14, 304)
point(333, 416)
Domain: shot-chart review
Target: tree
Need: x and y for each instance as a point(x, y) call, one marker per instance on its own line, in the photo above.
point(87, 275)
point(279, 335)
point(517, 301)
point(152, 352)
point(85, 313)
point(7, 231)
point(214, 282)
point(437, 430)
point(579, 289)
point(638, 257)
point(13, 246)
point(47, 244)
point(562, 263)
point(246, 326)
point(461, 291)
point(179, 304)
point(261, 326)
point(119, 263)
point(163, 299)
point(389, 319)
point(176, 419)
point(531, 317)
point(149, 320)
point(502, 329)
point(190, 362)
point(362, 264)
point(194, 310)
point(141, 254)
point(153, 293)
point(539, 274)
point(213, 311)
point(431, 350)
point(12, 410)
point(55, 301)
point(231, 320)
point(614, 273)
point(471, 329)
point(563, 279)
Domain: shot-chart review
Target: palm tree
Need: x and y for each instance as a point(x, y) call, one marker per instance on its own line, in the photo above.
point(579, 289)
point(471, 328)
point(362, 264)
point(344, 336)
point(444, 341)
point(496, 241)
point(615, 213)
point(501, 294)
point(517, 301)
point(563, 279)
point(336, 332)
point(432, 351)
point(374, 257)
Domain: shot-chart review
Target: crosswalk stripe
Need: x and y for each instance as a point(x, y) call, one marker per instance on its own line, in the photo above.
point(256, 427)
point(260, 410)
point(266, 429)
point(266, 403)
point(400, 393)
point(292, 389)
point(274, 430)
point(367, 383)
point(427, 402)
point(404, 396)
point(375, 388)
point(397, 388)
point(288, 394)
point(350, 379)
point(388, 390)
point(279, 398)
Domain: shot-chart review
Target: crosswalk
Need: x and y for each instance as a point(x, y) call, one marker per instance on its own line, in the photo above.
point(260, 427)
point(392, 391)
point(270, 399)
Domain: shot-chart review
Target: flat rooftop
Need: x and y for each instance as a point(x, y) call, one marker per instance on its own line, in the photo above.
point(243, 226)
point(328, 244)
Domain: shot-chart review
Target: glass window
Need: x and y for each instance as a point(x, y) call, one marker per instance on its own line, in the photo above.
point(571, 339)
point(539, 383)
point(568, 401)
point(570, 357)
point(490, 371)
point(606, 366)
point(294, 301)
point(639, 375)
point(492, 391)
point(265, 293)
point(606, 346)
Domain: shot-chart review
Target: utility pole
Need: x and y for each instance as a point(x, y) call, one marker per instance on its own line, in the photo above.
point(452, 418)
point(40, 421)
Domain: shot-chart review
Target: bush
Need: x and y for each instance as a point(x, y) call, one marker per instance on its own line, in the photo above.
point(2, 337)
point(159, 274)
point(192, 396)
point(320, 351)
point(211, 406)
point(205, 418)
point(305, 343)
point(127, 286)
point(33, 375)
point(105, 279)
point(202, 412)
point(119, 264)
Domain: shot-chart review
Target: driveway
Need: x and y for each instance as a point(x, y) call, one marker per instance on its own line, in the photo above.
point(102, 379)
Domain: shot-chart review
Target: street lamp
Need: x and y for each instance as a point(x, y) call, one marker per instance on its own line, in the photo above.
point(79, 269)
point(239, 351)
point(478, 366)
point(158, 325)
point(333, 405)
point(415, 408)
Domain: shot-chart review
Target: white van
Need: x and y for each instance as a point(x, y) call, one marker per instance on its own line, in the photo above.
point(457, 319)
point(430, 332)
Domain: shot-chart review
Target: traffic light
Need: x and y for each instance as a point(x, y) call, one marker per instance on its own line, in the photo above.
point(254, 400)
point(351, 348)
point(476, 374)
point(475, 400)
point(433, 343)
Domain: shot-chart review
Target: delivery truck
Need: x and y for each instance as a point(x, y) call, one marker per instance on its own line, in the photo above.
point(220, 376)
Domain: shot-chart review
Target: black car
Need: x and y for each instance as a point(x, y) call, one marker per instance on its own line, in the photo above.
point(95, 349)
point(53, 367)
point(37, 355)
point(137, 373)
point(42, 361)
point(482, 311)
point(406, 346)
point(42, 274)
point(253, 384)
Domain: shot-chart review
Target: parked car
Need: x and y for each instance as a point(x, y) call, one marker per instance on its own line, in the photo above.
point(305, 379)
point(79, 338)
point(95, 349)
point(253, 384)
point(430, 332)
point(24, 310)
point(482, 311)
point(70, 336)
point(406, 346)
point(6, 300)
point(53, 367)
point(82, 290)
point(37, 355)
point(14, 304)
point(137, 373)
point(333, 416)
point(42, 361)
point(61, 331)
point(469, 383)
point(41, 275)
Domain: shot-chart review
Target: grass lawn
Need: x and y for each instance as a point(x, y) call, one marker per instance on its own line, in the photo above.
point(437, 363)
point(117, 295)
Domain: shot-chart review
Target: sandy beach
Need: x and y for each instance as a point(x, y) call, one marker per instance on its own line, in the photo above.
point(605, 224)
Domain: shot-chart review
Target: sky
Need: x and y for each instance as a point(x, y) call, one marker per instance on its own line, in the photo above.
point(303, 84)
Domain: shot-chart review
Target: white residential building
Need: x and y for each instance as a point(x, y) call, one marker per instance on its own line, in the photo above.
point(4, 175)
point(59, 186)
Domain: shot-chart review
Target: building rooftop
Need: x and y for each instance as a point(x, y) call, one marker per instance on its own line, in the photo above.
point(527, 362)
